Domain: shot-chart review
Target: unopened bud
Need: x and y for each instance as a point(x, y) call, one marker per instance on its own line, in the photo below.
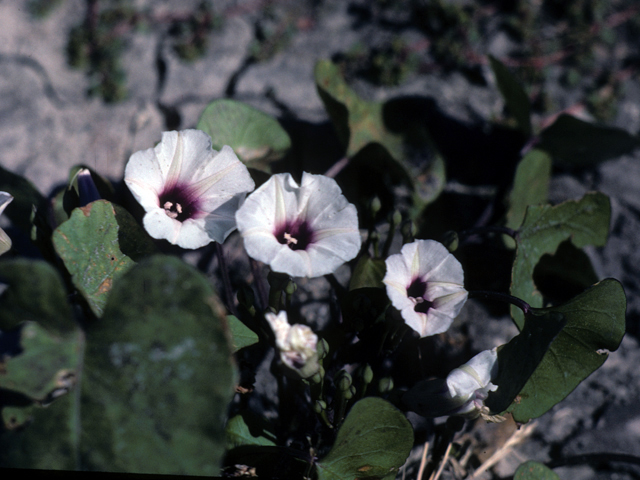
point(450, 240)
point(385, 385)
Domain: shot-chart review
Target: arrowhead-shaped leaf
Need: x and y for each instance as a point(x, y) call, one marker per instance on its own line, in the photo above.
point(241, 335)
point(514, 95)
point(595, 325)
point(368, 272)
point(585, 222)
point(98, 244)
point(530, 186)
point(257, 138)
point(374, 441)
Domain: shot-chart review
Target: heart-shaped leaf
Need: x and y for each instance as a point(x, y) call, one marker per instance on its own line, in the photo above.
point(257, 138)
point(98, 244)
point(595, 325)
point(374, 441)
point(585, 222)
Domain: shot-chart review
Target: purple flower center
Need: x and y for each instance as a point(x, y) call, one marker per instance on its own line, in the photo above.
point(179, 203)
point(416, 292)
point(296, 235)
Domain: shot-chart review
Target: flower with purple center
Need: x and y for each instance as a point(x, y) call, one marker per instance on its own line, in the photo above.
point(189, 191)
point(426, 283)
point(305, 230)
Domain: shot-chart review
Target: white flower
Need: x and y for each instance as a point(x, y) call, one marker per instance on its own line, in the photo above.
point(304, 231)
point(189, 191)
point(470, 384)
point(5, 240)
point(462, 393)
point(298, 345)
point(426, 283)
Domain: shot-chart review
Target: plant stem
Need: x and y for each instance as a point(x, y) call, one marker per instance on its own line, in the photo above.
point(489, 229)
point(503, 297)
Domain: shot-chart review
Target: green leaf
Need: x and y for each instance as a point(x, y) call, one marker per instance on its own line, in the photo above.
point(530, 186)
point(47, 365)
point(241, 335)
point(48, 442)
point(515, 97)
point(25, 195)
point(257, 138)
point(519, 359)
point(35, 293)
point(585, 222)
point(368, 272)
point(98, 244)
point(158, 375)
point(374, 441)
point(534, 471)
point(575, 143)
point(238, 431)
point(595, 326)
point(357, 121)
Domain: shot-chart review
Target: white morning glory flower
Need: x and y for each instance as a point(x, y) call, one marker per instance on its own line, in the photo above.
point(189, 191)
point(426, 283)
point(305, 230)
point(470, 385)
point(298, 345)
point(463, 392)
point(5, 240)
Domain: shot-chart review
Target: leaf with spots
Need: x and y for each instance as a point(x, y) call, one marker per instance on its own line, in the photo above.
point(98, 244)
point(374, 441)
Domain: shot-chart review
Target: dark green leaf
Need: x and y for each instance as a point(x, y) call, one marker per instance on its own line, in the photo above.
point(585, 222)
point(35, 293)
point(534, 471)
point(48, 363)
point(257, 138)
point(530, 186)
point(514, 95)
point(238, 432)
point(98, 244)
point(575, 143)
point(519, 359)
point(241, 335)
point(158, 375)
point(374, 441)
point(595, 326)
point(368, 272)
point(357, 121)
point(25, 195)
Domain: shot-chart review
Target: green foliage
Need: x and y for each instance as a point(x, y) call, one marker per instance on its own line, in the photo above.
point(585, 222)
point(241, 335)
point(575, 143)
point(25, 197)
point(239, 428)
point(374, 441)
point(595, 325)
point(158, 376)
point(368, 272)
point(257, 138)
point(47, 367)
point(534, 471)
point(530, 186)
point(98, 244)
point(28, 280)
point(516, 99)
point(42, 8)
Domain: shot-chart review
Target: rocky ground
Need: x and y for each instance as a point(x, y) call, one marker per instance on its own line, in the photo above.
point(48, 124)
